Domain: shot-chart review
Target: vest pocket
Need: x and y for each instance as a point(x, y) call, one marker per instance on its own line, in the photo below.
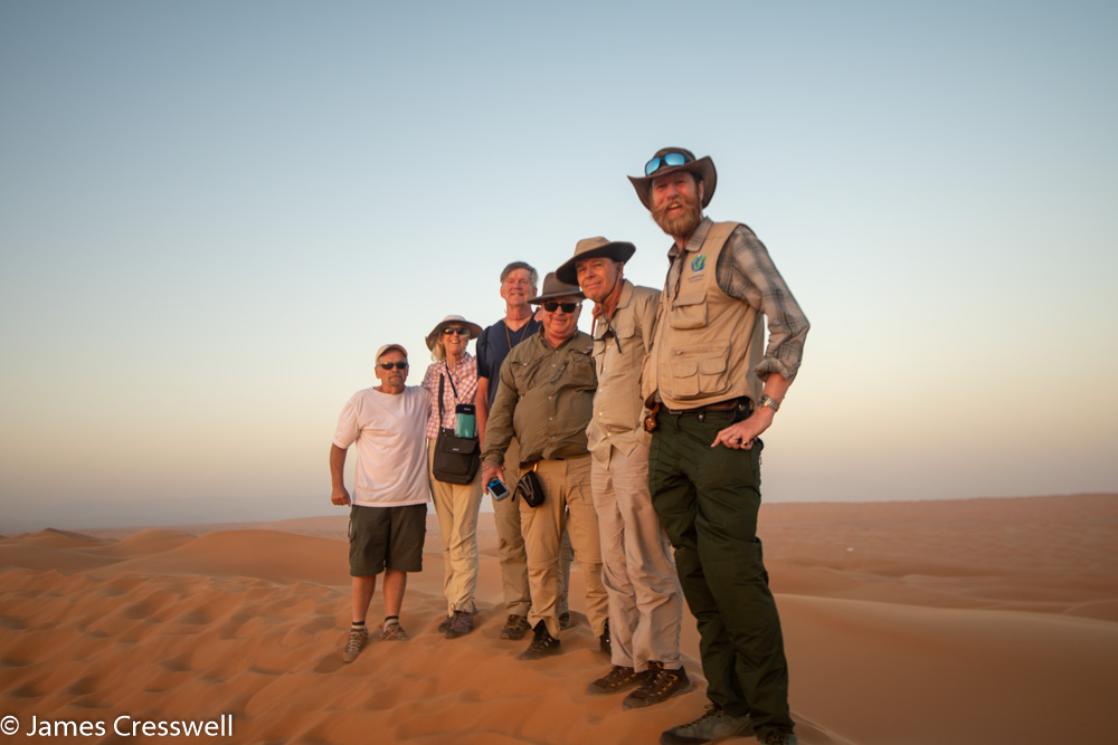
point(689, 311)
point(698, 372)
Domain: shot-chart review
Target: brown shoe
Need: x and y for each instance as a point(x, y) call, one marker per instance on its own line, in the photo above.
point(515, 628)
point(393, 632)
point(461, 623)
point(659, 685)
point(617, 679)
point(543, 644)
point(354, 644)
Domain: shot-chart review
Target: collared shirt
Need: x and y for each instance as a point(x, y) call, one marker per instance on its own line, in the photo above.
point(545, 400)
point(464, 375)
point(494, 344)
point(621, 344)
point(746, 272)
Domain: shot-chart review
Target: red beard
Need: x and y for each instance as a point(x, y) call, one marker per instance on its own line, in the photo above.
point(680, 223)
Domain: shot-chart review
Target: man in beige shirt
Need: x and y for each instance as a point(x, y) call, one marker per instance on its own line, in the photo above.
point(544, 401)
point(645, 603)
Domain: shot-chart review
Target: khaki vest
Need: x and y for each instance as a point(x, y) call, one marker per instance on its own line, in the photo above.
point(707, 343)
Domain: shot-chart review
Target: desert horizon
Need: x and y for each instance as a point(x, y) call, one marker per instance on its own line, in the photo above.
point(969, 621)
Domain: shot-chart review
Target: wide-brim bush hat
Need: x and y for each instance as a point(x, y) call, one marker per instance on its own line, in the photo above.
point(593, 248)
point(669, 160)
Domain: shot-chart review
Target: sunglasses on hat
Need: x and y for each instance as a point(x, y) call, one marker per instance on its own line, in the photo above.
point(663, 161)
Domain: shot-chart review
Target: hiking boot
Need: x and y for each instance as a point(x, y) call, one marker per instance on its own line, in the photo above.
point(444, 625)
point(565, 620)
point(461, 623)
point(659, 685)
point(543, 644)
point(393, 632)
point(603, 641)
point(515, 628)
point(778, 738)
point(617, 679)
point(715, 724)
point(354, 644)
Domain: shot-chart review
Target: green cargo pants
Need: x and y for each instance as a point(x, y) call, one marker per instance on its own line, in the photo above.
point(707, 500)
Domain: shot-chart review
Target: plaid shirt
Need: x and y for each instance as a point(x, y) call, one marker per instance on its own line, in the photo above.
point(746, 272)
point(464, 375)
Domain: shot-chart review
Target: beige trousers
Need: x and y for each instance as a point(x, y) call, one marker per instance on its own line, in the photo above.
point(567, 505)
point(510, 545)
point(456, 506)
point(645, 601)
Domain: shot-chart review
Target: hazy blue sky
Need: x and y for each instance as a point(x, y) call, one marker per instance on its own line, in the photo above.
point(211, 214)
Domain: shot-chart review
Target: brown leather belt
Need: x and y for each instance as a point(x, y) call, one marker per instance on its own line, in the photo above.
point(742, 403)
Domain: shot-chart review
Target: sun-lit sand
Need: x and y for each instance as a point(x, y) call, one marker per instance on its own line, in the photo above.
point(976, 621)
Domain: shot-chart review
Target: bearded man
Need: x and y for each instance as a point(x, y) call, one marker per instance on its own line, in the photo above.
point(714, 390)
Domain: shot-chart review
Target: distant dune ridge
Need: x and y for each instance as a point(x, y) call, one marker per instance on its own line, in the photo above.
point(971, 621)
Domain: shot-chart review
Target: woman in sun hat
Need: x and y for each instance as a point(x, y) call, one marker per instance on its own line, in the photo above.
point(455, 504)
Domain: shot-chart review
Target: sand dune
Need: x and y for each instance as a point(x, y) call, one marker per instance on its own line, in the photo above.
point(965, 622)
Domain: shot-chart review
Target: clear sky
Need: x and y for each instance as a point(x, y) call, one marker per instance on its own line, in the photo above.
point(211, 214)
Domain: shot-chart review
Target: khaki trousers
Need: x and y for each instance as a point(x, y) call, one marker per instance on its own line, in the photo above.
point(510, 545)
point(567, 505)
point(457, 507)
point(645, 601)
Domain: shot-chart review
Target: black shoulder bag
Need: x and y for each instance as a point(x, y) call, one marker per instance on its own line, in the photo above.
point(456, 458)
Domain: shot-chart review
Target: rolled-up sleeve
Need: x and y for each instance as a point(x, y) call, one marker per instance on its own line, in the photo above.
point(747, 272)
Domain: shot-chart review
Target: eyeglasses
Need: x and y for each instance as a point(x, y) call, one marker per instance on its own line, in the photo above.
point(610, 331)
point(456, 330)
point(663, 161)
point(397, 365)
point(552, 306)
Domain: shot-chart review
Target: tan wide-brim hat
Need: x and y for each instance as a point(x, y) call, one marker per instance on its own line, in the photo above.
point(554, 287)
point(436, 332)
point(593, 248)
point(703, 168)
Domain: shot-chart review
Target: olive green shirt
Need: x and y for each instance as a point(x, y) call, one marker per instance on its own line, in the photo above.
point(545, 400)
point(621, 344)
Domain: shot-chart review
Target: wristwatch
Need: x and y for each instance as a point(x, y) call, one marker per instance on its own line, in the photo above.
point(769, 401)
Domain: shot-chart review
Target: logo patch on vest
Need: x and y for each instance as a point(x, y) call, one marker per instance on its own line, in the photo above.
point(698, 263)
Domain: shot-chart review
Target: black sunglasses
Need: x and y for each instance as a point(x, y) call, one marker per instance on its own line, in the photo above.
point(663, 161)
point(456, 330)
point(397, 365)
point(552, 306)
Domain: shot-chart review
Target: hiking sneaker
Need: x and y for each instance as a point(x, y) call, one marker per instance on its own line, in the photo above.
point(461, 623)
point(444, 625)
point(354, 644)
point(659, 685)
point(543, 644)
point(714, 724)
point(515, 628)
point(565, 621)
point(603, 641)
point(778, 738)
point(393, 632)
point(617, 679)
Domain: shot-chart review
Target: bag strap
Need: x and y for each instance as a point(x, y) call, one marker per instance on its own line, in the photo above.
point(442, 387)
point(451, 379)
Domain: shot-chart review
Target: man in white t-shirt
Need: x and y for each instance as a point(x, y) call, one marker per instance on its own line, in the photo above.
point(388, 516)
